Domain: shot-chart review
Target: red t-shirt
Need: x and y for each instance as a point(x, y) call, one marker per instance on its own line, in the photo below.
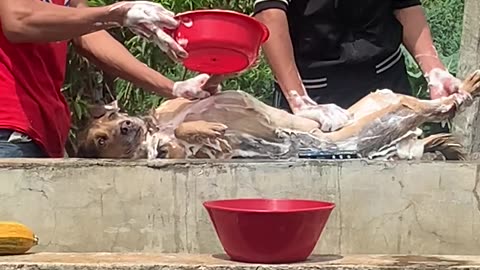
point(31, 76)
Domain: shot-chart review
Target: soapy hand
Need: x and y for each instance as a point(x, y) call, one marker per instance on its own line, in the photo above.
point(148, 19)
point(330, 116)
point(194, 88)
point(441, 83)
point(213, 84)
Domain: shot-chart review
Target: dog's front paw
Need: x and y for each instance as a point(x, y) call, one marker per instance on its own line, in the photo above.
point(197, 131)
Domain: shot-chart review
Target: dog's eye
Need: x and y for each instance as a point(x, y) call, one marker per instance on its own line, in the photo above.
point(101, 141)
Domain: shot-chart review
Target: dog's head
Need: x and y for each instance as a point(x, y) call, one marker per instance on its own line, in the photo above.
point(111, 134)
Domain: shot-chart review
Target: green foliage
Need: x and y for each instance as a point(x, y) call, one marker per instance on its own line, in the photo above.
point(87, 85)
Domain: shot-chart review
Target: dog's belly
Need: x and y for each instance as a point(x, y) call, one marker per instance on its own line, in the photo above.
point(243, 113)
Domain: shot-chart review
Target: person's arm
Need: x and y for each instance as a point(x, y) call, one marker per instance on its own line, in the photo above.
point(37, 21)
point(111, 56)
point(419, 43)
point(416, 34)
point(278, 49)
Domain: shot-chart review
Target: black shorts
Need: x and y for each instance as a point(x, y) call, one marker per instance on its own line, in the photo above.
point(346, 87)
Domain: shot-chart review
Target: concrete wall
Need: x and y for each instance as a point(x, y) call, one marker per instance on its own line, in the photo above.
point(82, 206)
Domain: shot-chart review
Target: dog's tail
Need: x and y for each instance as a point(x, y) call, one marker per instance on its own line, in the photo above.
point(446, 144)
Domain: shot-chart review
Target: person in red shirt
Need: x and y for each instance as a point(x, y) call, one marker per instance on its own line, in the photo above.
point(34, 34)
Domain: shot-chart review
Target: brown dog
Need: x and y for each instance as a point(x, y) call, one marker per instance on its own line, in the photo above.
point(112, 134)
point(235, 124)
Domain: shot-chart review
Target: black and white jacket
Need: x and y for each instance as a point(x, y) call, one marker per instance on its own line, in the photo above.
point(331, 34)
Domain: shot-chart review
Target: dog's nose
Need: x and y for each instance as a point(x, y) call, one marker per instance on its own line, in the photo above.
point(125, 127)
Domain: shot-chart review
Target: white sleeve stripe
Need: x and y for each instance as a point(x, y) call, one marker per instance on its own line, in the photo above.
point(262, 1)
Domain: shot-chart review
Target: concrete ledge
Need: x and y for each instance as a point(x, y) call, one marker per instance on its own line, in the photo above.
point(134, 261)
point(119, 206)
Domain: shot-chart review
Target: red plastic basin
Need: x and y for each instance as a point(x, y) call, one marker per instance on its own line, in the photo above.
point(219, 41)
point(268, 230)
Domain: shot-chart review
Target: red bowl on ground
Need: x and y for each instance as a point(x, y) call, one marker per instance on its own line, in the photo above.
point(268, 230)
point(219, 41)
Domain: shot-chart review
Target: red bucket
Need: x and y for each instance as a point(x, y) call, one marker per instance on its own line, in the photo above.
point(219, 41)
point(267, 230)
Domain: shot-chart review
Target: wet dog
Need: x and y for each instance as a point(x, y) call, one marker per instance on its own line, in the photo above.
point(235, 124)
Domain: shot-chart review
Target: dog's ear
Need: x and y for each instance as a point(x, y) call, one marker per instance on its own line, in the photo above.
point(112, 105)
point(99, 110)
point(96, 111)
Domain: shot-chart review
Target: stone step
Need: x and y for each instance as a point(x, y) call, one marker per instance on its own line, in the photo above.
point(152, 261)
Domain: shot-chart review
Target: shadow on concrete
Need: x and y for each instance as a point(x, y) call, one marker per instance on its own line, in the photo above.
point(313, 259)
point(323, 258)
point(409, 260)
point(18, 255)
